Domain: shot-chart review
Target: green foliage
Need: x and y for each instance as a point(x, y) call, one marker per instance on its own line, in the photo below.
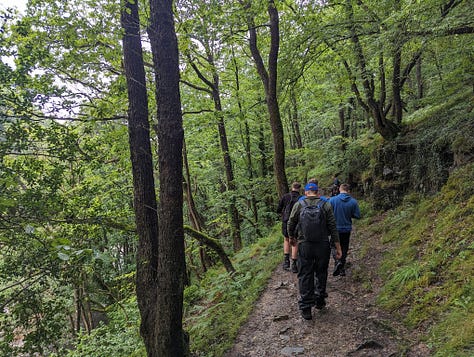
point(119, 337)
point(66, 197)
point(219, 304)
point(429, 272)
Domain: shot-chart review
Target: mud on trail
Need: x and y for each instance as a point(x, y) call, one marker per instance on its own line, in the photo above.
point(350, 324)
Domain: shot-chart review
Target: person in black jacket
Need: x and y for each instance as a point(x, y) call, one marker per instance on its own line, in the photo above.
point(284, 209)
point(313, 252)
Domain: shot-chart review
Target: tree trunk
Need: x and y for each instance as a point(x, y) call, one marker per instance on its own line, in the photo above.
point(263, 152)
point(160, 261)
point(196, 219)
point(214, 90)
point(382, 125)
point(252, 202)
point(214, 245)
point(142, 169)
point(342, 120)
point(269, 80)
point(295, 126)
point(167, 335)
point(352, 118)
point(235, 219)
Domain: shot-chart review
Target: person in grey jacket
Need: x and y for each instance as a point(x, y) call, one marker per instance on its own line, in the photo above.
point(313, 256)
point(345, 208)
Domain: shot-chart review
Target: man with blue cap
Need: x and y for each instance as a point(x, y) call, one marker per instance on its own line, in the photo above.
point(310, 224)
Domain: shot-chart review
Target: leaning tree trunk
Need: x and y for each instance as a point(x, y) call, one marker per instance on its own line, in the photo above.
point(168, 337)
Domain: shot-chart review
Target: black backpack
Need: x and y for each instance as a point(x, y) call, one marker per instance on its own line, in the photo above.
point(312, 222)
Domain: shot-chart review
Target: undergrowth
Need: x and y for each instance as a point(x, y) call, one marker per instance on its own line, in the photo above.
point(214, 308)
point(217, 306)
point(429, 273)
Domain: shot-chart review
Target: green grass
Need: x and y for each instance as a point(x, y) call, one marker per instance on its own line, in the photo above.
point(428, 275)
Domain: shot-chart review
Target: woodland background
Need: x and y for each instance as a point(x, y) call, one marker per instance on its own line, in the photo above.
point(380, 92)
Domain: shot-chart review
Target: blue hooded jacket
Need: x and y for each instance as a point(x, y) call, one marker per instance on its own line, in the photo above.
point(345, 208)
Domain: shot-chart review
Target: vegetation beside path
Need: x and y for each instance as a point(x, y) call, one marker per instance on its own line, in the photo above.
point(426, 272)
point(426, 278)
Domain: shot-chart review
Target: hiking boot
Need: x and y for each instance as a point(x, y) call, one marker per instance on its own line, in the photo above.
point(286, 265)
point(343, 272)
point(320, 303)
point(294, 267)
point(306, 313)
point(338, 268)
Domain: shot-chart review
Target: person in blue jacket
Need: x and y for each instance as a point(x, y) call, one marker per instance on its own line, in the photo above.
point(345, 208)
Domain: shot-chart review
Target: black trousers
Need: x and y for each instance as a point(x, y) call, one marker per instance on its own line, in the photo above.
point(313, 261)
point(344, 239)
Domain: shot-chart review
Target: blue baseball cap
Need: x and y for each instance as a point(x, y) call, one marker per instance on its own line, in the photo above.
point(311, 187)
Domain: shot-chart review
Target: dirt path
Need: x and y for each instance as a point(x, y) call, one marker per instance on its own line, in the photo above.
point(350, 325)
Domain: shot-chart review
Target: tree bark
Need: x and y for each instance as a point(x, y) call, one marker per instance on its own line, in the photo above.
point(160, 255)
point(269, 80)
point(419, 80)
point(143, 181)
point(382, 125)
point(168, 338)
point(295, 125)
point(214, 245)
point(342, 120)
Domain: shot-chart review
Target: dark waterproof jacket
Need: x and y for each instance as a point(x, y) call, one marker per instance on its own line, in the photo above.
point(293, 229)
point(345, 208)
point(286, 204)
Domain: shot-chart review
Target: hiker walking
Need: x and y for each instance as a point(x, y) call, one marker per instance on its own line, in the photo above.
point(284, 209)
point(311, 222)
point(345, 208)
point(335, 185)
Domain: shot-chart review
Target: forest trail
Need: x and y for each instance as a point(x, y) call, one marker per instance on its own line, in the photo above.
point(349, 325)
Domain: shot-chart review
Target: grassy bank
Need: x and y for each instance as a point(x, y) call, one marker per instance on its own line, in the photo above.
point(217, 306)
point(428, 275)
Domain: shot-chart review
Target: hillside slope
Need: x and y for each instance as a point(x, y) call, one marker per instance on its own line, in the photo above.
point(408, 291)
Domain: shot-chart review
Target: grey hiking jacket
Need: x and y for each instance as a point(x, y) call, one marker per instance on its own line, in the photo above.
point(293, 229)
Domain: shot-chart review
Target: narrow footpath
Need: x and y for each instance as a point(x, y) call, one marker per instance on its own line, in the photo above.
point(349, 325)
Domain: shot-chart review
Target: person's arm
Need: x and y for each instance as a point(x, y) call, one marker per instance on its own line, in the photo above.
point(281, 204)
point(293, 223)
point(331, 224)
point(338, 250)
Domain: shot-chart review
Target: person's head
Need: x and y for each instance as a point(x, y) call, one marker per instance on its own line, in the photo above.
point(345, 187)
point(295, 186)
point(311, 189)
point(313, 180)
